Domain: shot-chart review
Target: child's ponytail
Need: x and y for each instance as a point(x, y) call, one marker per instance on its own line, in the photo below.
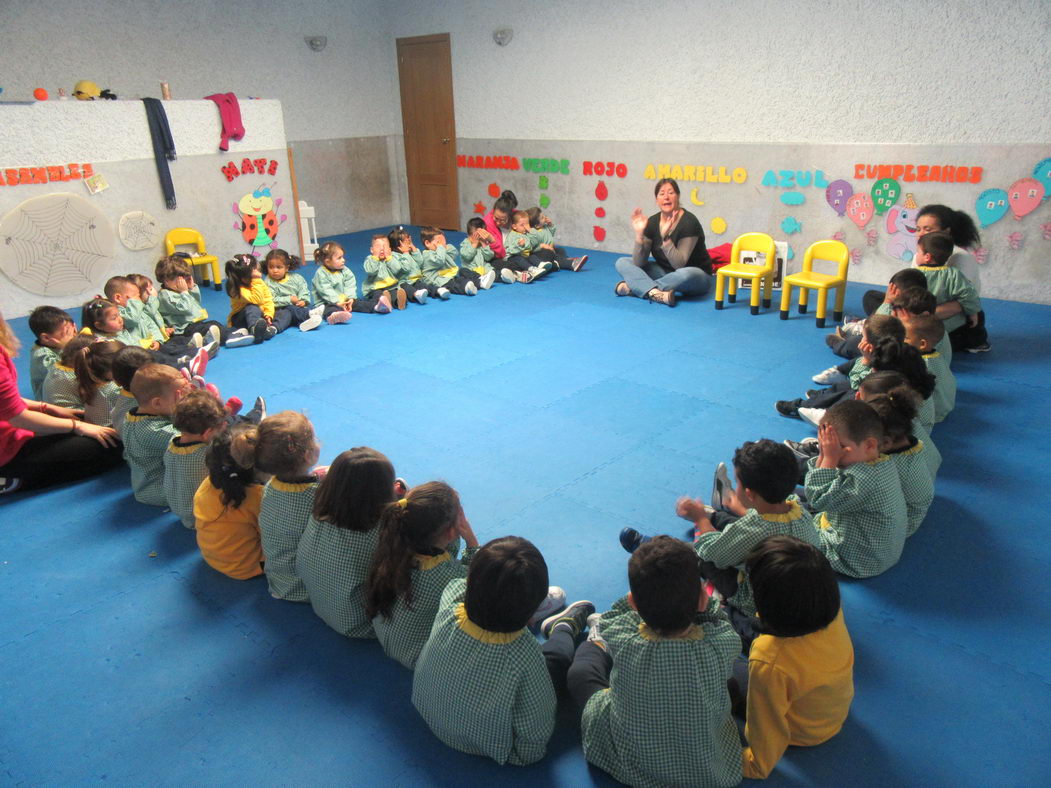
point(239, 273)
point(230, 461)
point(409, 527)
point(93, 365)
point(93, 311)
point(889, 354)
point(896, 409)
point(325, 252)
point(957, 224)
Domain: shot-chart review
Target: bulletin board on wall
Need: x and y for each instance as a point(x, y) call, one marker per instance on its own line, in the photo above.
point(88, 204)
point(868, 196)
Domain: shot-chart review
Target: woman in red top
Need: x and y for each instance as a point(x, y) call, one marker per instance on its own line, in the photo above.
point(42, 444)
point(498, 220)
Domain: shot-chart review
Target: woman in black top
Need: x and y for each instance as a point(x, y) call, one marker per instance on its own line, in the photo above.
point(675, 240)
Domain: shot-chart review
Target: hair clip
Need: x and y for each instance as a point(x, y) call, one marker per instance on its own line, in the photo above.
point(403, 503)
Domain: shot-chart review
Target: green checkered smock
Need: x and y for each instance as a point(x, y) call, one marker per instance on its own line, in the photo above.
point(484, 693)
point(122, 405)
point(862, 517)
point(41, 359)
point(944, 396)
point(665, 719)
point(949, 284)
point(184, 470)
point(732, 545)
point(917, 484)
point(60, 388)
point(859, 372)
point(931, 455)
point(404, 633)
point(146, 439)
point(283, 517)
point(925, 415)
point(333, 564)
point(100, 410)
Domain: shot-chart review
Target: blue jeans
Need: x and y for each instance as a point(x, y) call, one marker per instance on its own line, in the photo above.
point(641, 279)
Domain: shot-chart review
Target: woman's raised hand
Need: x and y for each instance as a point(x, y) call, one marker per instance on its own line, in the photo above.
point(638, 223)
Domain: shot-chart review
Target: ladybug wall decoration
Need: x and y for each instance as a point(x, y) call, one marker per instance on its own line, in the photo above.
point(258, 219)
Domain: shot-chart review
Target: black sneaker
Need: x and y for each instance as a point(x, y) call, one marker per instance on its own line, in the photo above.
point(9, 484)
point(804, 449)
point(574, 618)
point(258, 411)
point(259, 330)
point(630, 539)
point(985, 347)
point(789, 408)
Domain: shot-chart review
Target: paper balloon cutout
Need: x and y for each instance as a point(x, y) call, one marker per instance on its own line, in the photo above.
point(599, 233)
point(837, 194)
point(542, 182)
point(1046, 230)
point(885, 192)
point(718, 225)
point(859, 209)
point(1042, 172)
point(600, 212)
point(1024, 195)
point(991, 206)
point(601, 192)
point(494, 190)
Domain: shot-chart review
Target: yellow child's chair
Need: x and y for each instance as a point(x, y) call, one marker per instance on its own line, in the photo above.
point(809, 279)
point(761, 243)
point(187, 236)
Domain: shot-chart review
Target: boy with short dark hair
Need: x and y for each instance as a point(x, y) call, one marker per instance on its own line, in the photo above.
point(799, 677)
point(958, 301)
point(542, 237)
point(148, 429)
point(179, 301)
point(53, 328)
point(862, 516)
point(440, 268)
point(844, 341)
point(125, 364)
point(925, 332)
point(197, 417)
point(652, 682)
point(476, 254)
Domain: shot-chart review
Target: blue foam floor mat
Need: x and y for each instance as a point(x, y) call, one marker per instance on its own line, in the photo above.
point(561, 413)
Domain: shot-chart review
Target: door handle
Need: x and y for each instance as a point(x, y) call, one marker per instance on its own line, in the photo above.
point(445, 140)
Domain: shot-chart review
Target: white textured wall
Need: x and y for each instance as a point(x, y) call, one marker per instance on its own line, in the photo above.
point(202, 47)
point(923, 71)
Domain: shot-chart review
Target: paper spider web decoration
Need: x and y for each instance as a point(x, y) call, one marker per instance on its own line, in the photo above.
point(138, 230)
point(57, 244)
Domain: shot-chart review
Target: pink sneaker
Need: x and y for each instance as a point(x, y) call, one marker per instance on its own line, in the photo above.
point(383, 307)
point(199, 363)
point(336, 318)
point(233, 405)
point(578, 262)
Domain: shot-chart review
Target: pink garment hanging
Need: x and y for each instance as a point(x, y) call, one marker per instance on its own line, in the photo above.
point(230, 115)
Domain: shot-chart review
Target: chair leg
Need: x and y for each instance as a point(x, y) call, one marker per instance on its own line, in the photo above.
point(804, 296)
point(768, 290)
point(720, 284)
point(841, 294)
point(757, 284)
point(786, 299)
point(731, 286)
point(822, 298)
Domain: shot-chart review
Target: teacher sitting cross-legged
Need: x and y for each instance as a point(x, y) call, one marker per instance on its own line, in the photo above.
point(669, 255)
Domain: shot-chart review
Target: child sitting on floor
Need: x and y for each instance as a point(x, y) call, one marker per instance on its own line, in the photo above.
point(520, 249)
point(150, 302)
point(335, 286)
point(412, 567)
point(251, 304)
point(93, 369)
point(896, 409)
point(440, 268)
point(481, 683)
point(652, 677)
point(856, 490)
point(226, 506)
point(179, 302)
point(60, 383)
point(542, 237)
point(799, 677)
point(925, 332)
point(53, 328)
point(408, 262)
point(844, 342)
point(476, 254)
point(143, 329)
point(920, 301)
point(198, 417)
point(381, 274)
point(335, 551)
point(286, 447)
point(958, 301)
point(290, 292)
point(102, 318)
point(148, 429)
point(125, 364)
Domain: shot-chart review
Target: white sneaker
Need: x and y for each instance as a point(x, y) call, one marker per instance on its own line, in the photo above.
point(443, 293)
point(593, 632)
point(507, 276)
point(536, 272)
point(470, 288)
point(420, 296)
point(240, 337)
point(812, 415)
point(829, 376)
point(319, 310)
point(311, 322)
point(197, 340)
point(720, 485)
point(555, 601)
point(214, 334)
point(487, 280)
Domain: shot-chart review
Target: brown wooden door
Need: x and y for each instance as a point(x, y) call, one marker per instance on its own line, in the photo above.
point(425, 74)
